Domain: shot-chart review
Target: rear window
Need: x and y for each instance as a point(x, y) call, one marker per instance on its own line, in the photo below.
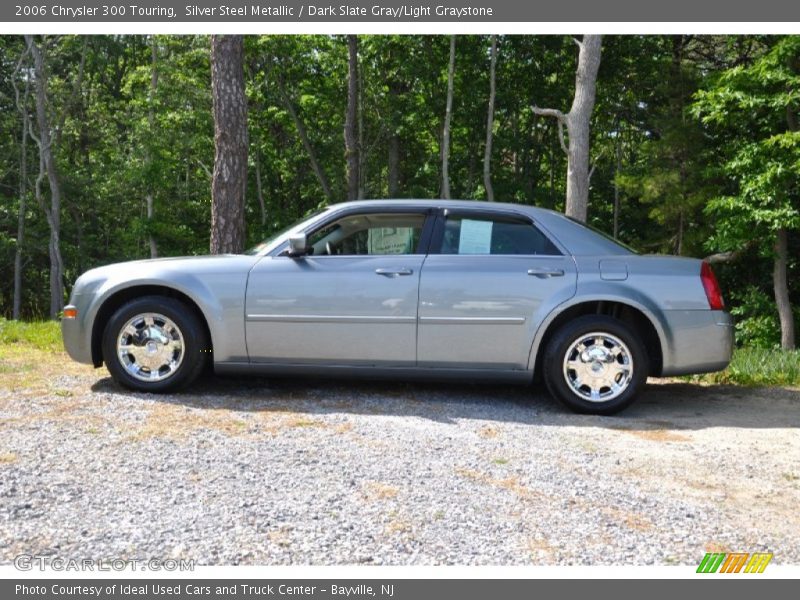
point(600, 232)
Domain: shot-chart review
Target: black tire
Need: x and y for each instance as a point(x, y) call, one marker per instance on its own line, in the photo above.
point(186, 360)
point(557, 375)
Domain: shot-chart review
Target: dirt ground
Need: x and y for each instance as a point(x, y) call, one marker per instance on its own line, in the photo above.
point(408, 473)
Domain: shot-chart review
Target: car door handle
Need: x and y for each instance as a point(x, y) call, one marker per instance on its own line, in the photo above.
point(544, 272)
point(394, 272)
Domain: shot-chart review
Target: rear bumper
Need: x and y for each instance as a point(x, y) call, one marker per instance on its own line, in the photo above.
point(698, 341)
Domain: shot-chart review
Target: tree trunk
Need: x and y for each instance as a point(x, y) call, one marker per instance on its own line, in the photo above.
point(447, 116)
point(529, 160)
point(363, 176)
point(259, 189)
point(151, 124)
point(552, 188)
point(394, 165)
point(577, 122)
point(23, 193)
point(351, 119)
point(617, 169)
point(487, 155)
point(781, 288)
point(47, 166)
point(679, 236)
point(397, 87)
point(229, 183)
point(304, 139)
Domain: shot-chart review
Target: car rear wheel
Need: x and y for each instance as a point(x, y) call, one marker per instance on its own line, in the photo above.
point(154, 344)
point(595, 364)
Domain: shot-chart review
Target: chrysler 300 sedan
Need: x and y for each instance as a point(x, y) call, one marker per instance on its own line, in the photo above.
point(411, 289)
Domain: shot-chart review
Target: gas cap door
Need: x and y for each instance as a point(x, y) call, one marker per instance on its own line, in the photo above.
point(613, 270)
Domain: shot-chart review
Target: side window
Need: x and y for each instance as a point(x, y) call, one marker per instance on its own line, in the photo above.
point(493, 235)
point(369, 234)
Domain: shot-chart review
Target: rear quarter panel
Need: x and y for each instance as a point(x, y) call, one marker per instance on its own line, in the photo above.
point(669, 292)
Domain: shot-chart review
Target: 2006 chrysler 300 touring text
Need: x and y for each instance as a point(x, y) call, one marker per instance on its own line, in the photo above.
point(408, 288)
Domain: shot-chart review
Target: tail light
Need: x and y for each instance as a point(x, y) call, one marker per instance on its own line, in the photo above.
point(711, 286)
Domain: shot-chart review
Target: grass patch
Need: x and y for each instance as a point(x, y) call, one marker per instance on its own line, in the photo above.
point(42, 335)
point(176, 422)
point(33, 361)
point(757, 367)
point(7, 458)
point(511, 484)
point(398, 526)
point(375, 490)
point(488, 432)
point(655, 433)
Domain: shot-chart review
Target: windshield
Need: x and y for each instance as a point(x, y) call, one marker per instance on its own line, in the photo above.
point(261, 247)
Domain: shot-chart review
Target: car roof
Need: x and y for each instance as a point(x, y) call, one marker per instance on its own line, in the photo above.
point(575, 237)
point(436, 203)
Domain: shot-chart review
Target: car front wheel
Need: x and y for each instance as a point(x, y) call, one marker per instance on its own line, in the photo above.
point(596, 365)
point(154, 344)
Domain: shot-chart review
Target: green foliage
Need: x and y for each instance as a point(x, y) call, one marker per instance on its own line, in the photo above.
point(666, 175)
point(42, 335)
point(749, 108)
point(751, 114)
point(756, 321)
point(706, 160)
point(758, 367)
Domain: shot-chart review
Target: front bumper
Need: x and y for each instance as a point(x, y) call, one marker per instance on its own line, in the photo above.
point(698, 341)
point(77, 332)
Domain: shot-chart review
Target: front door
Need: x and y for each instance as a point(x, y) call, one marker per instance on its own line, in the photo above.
point(351, 301)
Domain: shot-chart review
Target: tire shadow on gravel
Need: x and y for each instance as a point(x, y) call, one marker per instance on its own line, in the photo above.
point(664, 405)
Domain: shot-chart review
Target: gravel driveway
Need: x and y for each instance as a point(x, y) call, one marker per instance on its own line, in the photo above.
point(317, 472)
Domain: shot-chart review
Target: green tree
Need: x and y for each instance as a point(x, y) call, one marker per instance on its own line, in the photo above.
point(668, 177)
point(752, 112)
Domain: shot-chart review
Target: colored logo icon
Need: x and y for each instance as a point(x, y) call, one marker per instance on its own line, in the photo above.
point(734, 562)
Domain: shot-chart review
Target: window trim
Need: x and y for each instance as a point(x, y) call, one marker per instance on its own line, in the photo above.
point(424, 239)
point(499, 214)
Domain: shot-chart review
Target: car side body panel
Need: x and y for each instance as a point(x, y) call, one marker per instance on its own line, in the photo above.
point(666, 290)
point(215, 284)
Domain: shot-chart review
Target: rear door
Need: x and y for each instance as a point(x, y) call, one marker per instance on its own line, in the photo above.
point(483, 284)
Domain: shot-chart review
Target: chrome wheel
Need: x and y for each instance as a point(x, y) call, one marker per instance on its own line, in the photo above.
point(150, 347)
point(598, 367)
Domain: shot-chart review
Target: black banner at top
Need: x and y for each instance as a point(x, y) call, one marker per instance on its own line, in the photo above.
point(388, 11)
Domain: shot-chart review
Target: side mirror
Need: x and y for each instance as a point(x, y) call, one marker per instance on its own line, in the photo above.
point(298, 245)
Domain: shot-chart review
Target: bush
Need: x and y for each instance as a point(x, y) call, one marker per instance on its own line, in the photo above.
point(756, 319)
point(758, 366)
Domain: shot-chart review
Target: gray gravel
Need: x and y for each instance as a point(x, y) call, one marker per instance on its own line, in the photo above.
point(316, 472)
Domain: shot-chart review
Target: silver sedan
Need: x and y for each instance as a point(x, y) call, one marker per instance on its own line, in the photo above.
point(411, 289)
